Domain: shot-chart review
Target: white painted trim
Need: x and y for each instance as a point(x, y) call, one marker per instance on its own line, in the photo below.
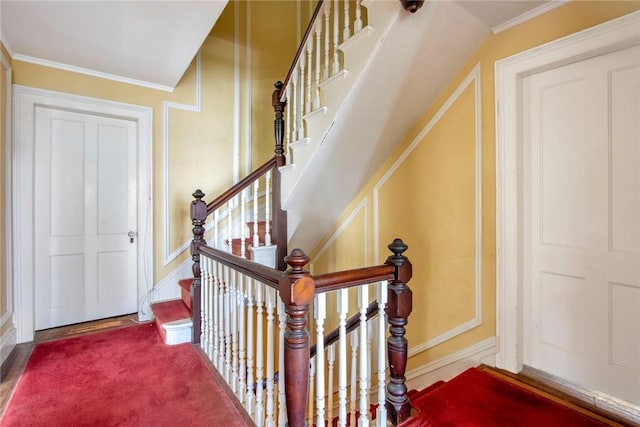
point(318, 112)
point(25, 100)
point(168, 254)
point(363, 205)
point(167, 288)
point(353, 40)
point(178, 331)
point(248, 96)
point(544, 8)
point(8, 226)
point(7, 45)
point(509, 72)
point(89, 72)
point(473, 76)
point(453, 364)
point(7, 343)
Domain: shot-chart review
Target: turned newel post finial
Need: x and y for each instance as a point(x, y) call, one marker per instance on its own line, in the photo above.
point(412, 5)
point(278, 124)
point(399, 306)
point(297, 290)
point(198, 216)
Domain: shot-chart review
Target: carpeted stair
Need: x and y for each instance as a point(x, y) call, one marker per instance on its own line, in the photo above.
point(173, 317)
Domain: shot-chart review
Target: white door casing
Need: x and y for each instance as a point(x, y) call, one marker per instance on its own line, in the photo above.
point(581, 222)
point(85, 206)
point(611, 36)
point(26, 100)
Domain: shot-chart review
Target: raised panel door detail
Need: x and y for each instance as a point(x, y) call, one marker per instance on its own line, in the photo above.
point(66, 271)
point(112, 179)
point(112, 277)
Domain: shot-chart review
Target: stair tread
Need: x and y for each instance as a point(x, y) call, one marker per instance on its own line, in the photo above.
point(168, 311)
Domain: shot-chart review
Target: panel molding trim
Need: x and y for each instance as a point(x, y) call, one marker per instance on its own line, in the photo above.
point(607, 37)
point(25, 101)
point(6, 313)
point(472, 78)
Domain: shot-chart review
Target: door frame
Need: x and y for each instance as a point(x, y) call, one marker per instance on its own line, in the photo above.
point(25, 101)
point(608, 37)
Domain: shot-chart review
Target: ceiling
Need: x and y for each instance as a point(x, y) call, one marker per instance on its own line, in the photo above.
point(146, 42)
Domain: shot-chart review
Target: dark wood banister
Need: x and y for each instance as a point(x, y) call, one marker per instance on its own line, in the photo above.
point(219, 201)
point(302, 44)
point(268, 276)
point(352, 324)
point(349, 278)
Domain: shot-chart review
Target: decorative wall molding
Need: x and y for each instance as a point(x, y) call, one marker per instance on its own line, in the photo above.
point(362, 206)
point(472, 77)
point(88, 72)
point(5, 43)
point(455, 363)
point(6, 313)
point(609, 36)
point(25, 100)
point(544, 8)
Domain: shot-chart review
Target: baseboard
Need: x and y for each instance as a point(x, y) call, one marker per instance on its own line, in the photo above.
point(449, 366)
point(167, 288)
point(7, 343)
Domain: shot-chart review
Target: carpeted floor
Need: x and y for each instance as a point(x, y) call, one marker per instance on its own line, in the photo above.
point(123, 377)
point(477, 398)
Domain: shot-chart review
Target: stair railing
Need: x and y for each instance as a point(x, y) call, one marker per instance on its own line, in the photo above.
point(254, 321)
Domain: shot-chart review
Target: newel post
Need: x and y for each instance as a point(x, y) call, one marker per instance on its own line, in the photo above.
point(198, 217)
point(297, 289)
point(399, 306)
point(279, 229)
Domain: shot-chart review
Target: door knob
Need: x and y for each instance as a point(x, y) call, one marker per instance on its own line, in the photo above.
point(131, 235)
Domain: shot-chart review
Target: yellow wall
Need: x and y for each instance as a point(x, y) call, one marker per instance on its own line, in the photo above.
point(5, 88)
point(425, 193)
point(200, 144)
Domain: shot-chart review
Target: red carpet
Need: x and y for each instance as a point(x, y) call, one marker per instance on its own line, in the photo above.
point(476, 398)
point(123, 377)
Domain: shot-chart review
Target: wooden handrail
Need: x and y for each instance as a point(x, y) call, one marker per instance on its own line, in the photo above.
point(240, 185)
point(302, 45)
point(268, 276)
point(349, 278)
point(352, 324)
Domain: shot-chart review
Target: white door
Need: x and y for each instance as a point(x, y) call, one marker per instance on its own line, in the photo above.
point(581, 223)
point(85, 206)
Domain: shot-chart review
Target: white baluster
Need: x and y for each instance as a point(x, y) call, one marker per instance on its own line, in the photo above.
point(216, 219)
point(214, 309)
point(282, 326)
point(303, 92)
point(381, 414)
point(227, 326)
point(363, 303)
point(310, 401)
point(271, 297)
point(256, 238)
point(243, 223)
point(309, 100)
point(288, 122)
point(221, 318)
point(242, 362)
point(233, 313)
point(293, 104)
point(357, 25)
point(229, 225)
point(209, 311)
point(267, 208)
point(353, 383)
point(347, 32)
point(316, 104)
point(203, 299)
point(336, 37)
point(259, 414)
point(343, 307)
point(251, 379)
point(331, 359)
point(320, 314)
point(327, 36)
